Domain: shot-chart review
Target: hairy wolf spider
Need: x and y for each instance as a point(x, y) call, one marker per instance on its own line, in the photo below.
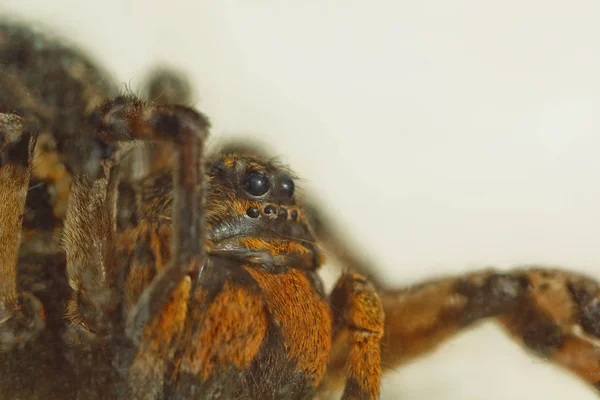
point(159, 272)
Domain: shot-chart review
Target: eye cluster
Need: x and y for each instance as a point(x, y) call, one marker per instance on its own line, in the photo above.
point(257, 184)
point(267, 191)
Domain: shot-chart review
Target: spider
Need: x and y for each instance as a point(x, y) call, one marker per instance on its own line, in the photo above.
point(134, 264)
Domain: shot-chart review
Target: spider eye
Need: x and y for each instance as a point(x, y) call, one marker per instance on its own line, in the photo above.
point(256, 184)
point(287, 186)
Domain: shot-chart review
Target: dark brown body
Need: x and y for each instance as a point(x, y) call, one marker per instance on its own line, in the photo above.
point(118, 280)
point(245, 331)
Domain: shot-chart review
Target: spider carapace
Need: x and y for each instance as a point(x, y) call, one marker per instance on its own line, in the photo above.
point(135, 265)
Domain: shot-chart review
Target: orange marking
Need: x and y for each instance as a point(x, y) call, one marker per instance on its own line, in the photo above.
point(230, 331)
point(556, 301)
point(365, 317)
point(160, 337)
point(47, 166)
point(163, 329)
point(14, 181)
point(581, 357)
point(274, 246)
point(364, 364)
point(240, 206)
point(229, 162)
point(156, 249)
point(157, 238)
point(160, 242)
point(365, 308)
point(301, 315)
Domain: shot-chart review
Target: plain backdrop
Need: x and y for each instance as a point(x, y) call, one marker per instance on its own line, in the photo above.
point(443, 136)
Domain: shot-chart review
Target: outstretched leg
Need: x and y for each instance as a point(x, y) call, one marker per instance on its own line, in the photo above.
point(21, 313)
point(555, 314)
point(560, 320)
point(358, 329)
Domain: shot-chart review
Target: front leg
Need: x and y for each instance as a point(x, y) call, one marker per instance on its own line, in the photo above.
point(127, 118)
point(161, 301)
point(358, 328)
point(21, 313)
point(98, 311)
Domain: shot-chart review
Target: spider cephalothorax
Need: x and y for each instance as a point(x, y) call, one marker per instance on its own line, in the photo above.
point(251, 210)
point(158, 272)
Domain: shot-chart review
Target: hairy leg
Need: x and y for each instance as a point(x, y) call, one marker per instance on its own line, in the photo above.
point(160, 301)
point(166, 86)
point(128, 119)
point(97, 277)
point(88, 244)
point(358, 329)
point(125, 119)
point(163, 87)
point(560, 321)
point(555, 314)
point(21, 313)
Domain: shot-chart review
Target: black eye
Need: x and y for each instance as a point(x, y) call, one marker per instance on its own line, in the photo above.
point(256, 184)
point(287, 186)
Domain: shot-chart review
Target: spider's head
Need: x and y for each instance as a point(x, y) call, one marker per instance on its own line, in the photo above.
point(251, 213)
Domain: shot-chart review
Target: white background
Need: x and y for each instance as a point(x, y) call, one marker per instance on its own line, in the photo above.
point(444, 136)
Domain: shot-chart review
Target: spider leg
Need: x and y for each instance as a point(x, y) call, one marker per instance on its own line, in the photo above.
point(555, 314)
point(560, 321)
point(97, 273)
point(191, 342)
point(126, 119)
point(163, 86)
point(21, 313)
point(88, 241)
point(358, 329)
